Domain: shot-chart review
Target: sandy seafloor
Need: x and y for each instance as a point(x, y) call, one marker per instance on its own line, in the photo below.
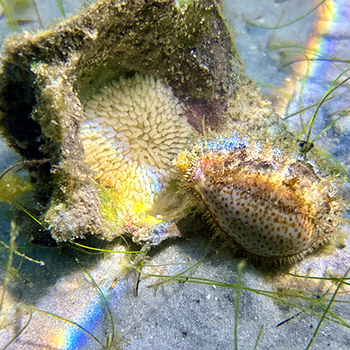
point(178, 315)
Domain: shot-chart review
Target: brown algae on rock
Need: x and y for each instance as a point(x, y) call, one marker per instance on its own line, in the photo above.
point(48, 86)
point(273, 203)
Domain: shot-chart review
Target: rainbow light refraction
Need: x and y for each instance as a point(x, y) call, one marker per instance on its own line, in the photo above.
point(315, 66)
point(91, 320)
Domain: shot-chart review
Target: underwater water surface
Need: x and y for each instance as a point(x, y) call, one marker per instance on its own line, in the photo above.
point(189, 293)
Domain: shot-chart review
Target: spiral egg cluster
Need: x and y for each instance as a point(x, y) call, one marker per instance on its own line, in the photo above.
point(133, 129)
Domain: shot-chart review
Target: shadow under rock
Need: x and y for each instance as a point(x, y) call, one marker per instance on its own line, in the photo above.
point(34, 280)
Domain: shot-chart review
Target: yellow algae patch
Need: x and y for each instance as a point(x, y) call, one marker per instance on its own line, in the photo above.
point(12, 187)
point(183, 161)
point(118, 213)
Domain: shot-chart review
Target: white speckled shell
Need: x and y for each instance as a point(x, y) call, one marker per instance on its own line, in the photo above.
point(258, 226)
point(272, 203)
